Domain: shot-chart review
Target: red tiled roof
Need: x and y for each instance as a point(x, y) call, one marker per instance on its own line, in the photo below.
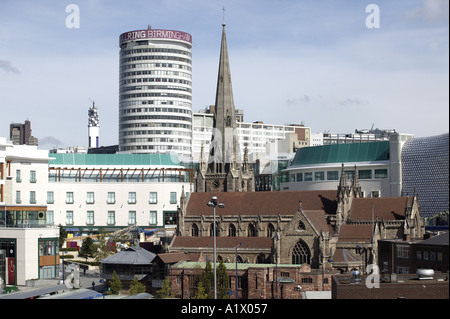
point(318, 220)
point(387, 208)
point(355, 233)
point(263, 203)
point(222, 242)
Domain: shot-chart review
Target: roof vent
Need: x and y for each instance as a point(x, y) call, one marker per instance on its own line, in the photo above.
point(425, 273)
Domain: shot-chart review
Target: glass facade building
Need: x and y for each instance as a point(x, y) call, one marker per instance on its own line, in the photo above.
point(155, 98)
point(425, 164)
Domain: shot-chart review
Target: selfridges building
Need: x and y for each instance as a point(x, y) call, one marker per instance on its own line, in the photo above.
point(425, 171)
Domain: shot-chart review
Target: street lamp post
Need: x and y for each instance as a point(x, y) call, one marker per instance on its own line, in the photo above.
point(213, 203)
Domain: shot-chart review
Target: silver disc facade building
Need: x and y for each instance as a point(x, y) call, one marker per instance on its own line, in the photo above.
point(155, 98)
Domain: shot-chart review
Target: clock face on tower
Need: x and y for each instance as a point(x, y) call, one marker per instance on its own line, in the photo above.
point(216, 183)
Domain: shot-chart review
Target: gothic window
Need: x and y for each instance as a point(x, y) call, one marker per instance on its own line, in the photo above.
point(211, 230)
point(194, 230)
point(261, 259)
point(301, 253)
point(251, 231)
point(240, 260)
point(270, 230)
point(231, 231)
point(228, 121)
point(301, 225)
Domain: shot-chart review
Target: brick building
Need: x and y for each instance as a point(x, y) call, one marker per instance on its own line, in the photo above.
point(255, 281)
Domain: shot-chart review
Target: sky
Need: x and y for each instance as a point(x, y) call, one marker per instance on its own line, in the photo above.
point(332, 65)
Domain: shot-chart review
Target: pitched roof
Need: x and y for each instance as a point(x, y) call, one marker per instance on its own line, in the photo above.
point(387, 208)
point(318, 220)
point(355, 233)
point(263, 203)
point(221, 242)
point(170, 258)
point(131, 256)
point(440, 240)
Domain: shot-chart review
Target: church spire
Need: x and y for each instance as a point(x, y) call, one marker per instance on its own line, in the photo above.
point(222, 149)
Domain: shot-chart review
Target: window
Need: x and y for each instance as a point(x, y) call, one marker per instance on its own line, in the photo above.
point(32, 197)
point(69, 217)
point(132, 198)
point(402, 270)
point(69, 197)
point(50, 217)
point(419, 255)
point(375, 194)
point(90, 217)
point(173, 197)
point(153, 217)
point(50, 198)
point(170, 218)
point(319, 176)
point(153, 198)
point(381, 173)
point(18, 200)
point(307, 280)
point(90, 198)
point(365, 174)
point(299, 177)
point(194, 231)
point(308, 177)
point(333, 175)
point(18, 178)
point(301, 253)
point(402, 251)
point(132, 218)
point(111, 198)
point(111, 217)
point(270, 230)
point(231, 231)
point(251, 231)
point(32, 176)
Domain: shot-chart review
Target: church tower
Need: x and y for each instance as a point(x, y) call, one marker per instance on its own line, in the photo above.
point(225, 171)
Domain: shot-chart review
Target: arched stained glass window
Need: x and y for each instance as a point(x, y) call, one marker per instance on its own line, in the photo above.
point(301, 253)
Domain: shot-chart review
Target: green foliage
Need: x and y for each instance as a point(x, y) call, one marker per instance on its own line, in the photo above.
point(207, 280)
point(87, 249)
point(222, 281)
point(166, 291)
point(115, 284)
point(136, 287)
point(201, 294)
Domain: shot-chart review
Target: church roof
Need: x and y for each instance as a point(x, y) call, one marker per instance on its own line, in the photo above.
point(355, 233)
point(387, 208)
point(263, 203)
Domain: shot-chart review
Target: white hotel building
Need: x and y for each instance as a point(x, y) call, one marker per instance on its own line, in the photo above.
point(259, 138)
point(155, 98)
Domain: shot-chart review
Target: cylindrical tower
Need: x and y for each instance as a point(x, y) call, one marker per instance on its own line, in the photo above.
point(155, 98)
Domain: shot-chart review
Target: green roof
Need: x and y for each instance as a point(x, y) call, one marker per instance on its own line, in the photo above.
point(342, 153)
point(113, 159)
point(240, 266)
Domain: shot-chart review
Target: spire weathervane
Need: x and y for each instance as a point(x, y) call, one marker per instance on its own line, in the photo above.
point(223, 20)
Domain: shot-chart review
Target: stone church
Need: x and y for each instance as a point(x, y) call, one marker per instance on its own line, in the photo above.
point(337, 228)
point(225, 170)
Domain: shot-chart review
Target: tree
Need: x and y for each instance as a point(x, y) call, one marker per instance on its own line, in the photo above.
point(104, 248)
point(201, 294)
point(87, 249)
point(115, 284)
point(223, 281)
point(207, 280)
point(136, 287)
point(166, 291)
